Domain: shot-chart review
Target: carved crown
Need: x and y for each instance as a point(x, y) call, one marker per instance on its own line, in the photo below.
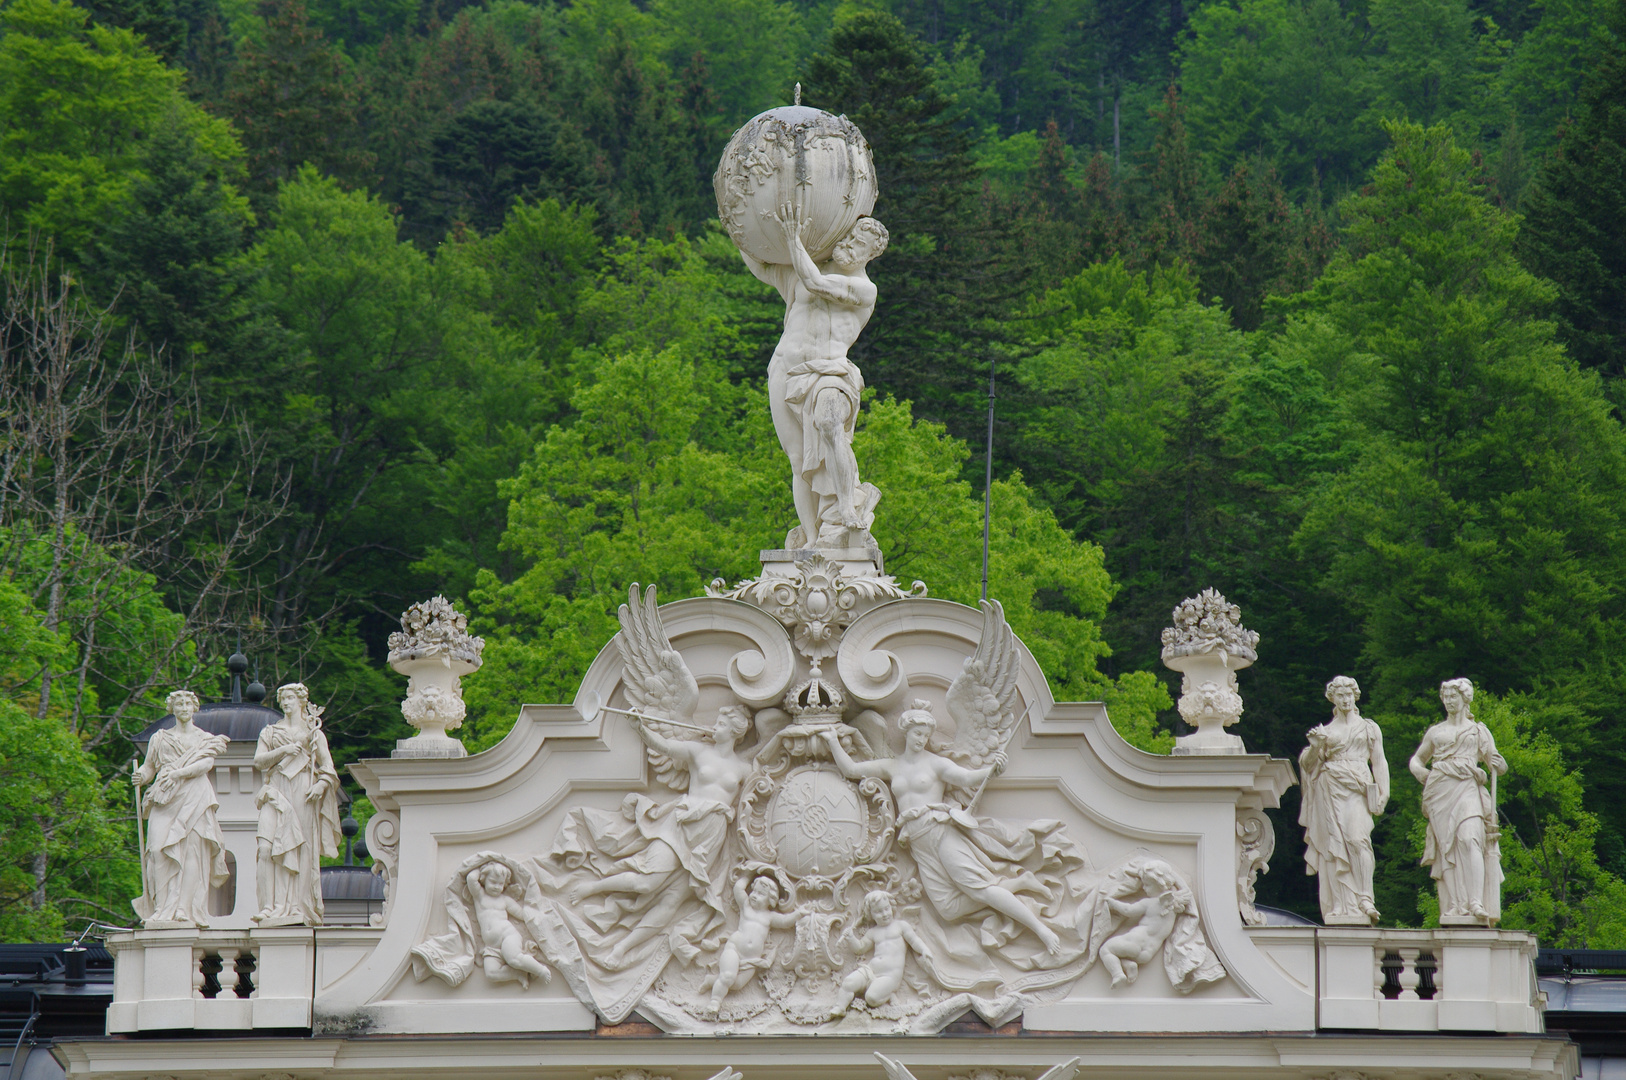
point(815, 702)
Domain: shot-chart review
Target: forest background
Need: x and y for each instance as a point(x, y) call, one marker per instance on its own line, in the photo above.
point(314, 308)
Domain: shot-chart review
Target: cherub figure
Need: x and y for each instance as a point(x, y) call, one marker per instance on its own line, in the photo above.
point(746, 950)
point(1155, 916)
point(506, 954)
point(891, 939)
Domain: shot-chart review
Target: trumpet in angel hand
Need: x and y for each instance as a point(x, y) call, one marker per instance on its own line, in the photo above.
point(594, 705)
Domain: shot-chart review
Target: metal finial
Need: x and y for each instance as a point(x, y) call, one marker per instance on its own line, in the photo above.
point(798, 93)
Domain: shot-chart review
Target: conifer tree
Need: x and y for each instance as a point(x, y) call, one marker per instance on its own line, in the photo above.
point(1252, 243)
point(1168, 231)
point(1573, 233)
point(940, 278)
point(291, 98)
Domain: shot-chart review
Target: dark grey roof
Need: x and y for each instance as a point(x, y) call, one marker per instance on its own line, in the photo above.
point(1585, 993)
point(1282, 917)
point(239, 721)
point(351, 883)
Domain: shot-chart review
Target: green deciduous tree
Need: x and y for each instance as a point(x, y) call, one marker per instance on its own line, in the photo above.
point(79, 105)
point(66, 856)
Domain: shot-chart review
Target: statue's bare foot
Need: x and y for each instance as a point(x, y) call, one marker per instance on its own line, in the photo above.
point(1119, 980)
point(1369, 909)
point(1052, 940)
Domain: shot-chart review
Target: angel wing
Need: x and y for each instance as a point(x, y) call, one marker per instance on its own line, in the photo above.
point(895, 1069)
point(1065, 1071)
point(728, 1073)
point(656, 679)
point(982, 696)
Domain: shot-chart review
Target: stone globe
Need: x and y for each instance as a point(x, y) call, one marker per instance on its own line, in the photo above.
point(795, 154)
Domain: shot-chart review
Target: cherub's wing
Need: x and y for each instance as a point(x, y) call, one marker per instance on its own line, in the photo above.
point(1065, 1071)
point(895, 1069)
point(657, 680)
point(728, 1073)
point(982, 697)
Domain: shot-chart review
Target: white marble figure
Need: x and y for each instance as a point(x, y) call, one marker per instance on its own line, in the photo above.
point(495, 911)
point(1143, 908)
point(957, 854)
point(813, 388)
point(185, 853)
point(505, 953)
point(1148, 922)
point(1462, 847)
point(299, 812)
point(1346, 782)
point(746, 951)
point(649, 878)
point(888, 940)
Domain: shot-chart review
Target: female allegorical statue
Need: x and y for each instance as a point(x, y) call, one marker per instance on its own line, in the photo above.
point(299, 812)
point(1346, 781)
point(1462, 847)
point(960, 857)
point(185, 854)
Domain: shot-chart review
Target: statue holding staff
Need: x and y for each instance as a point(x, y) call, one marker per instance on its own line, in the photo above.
point(299, 812)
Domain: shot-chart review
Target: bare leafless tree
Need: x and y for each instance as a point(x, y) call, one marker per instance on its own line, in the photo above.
point(115, 484)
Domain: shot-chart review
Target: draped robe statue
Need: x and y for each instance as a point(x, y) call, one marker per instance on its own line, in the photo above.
point(1462, 847)
point(185, 854)
point(299, 812)
point(1346, 781)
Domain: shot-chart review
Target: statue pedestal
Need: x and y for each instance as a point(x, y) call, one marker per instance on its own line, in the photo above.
point(853, 562)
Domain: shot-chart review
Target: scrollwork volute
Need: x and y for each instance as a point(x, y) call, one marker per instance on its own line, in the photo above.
point(1255, 844)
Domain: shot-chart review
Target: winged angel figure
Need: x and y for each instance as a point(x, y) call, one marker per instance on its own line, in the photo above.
point(1015, 877)
point(649, 881)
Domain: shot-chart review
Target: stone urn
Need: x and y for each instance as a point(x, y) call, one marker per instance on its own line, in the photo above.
point(434, 651)
point(1208, 646)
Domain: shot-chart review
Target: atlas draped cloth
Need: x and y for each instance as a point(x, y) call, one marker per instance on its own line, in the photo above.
point(803, 384)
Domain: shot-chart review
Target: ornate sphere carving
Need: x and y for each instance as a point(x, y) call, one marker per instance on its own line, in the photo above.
point(794, 154)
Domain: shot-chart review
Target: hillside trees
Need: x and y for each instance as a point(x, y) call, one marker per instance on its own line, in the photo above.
point(1572, 234)
point(940, 279)
point(79, 108)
